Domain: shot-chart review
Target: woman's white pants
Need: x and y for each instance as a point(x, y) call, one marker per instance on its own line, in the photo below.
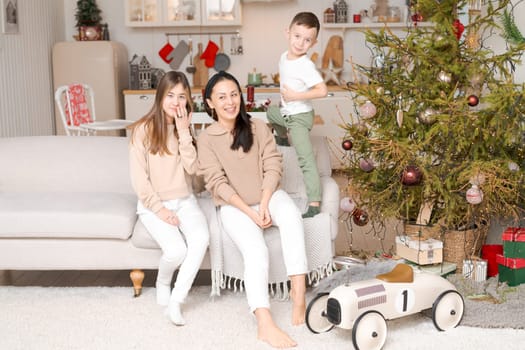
point(183, 245)
point(248, 237)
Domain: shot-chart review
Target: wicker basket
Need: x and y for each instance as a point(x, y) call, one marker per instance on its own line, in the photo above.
point(461, 245)
point(422, 232)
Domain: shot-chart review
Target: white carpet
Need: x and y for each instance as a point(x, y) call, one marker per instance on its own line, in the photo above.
point(110, 318)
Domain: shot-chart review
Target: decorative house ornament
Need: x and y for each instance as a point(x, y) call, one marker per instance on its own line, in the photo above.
point(134, 72)
point(144, 74)
point(341, 11)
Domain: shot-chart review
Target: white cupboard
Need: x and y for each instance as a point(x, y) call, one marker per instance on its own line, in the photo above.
point(182, 13)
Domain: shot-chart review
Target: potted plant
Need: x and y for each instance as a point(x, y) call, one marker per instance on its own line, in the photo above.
point(441, 132)
point(88, 17)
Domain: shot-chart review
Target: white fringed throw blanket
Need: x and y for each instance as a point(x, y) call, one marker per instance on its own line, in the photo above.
point(227, 267)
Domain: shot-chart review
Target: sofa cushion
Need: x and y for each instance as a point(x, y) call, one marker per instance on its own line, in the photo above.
point(67, 215)
point(141, 237)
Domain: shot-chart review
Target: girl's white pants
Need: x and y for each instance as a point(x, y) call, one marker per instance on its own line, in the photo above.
point(248, 237)
point(183, 245)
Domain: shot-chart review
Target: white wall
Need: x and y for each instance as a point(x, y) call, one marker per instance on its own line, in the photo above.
point(26, 104)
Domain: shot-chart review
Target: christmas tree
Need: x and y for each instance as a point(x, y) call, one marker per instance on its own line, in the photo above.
point(440, 126)
point(88, 13)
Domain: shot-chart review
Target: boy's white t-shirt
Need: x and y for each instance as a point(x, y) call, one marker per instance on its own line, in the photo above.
point(299, 75)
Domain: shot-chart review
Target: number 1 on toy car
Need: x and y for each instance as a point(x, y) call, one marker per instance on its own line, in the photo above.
point(405, 300)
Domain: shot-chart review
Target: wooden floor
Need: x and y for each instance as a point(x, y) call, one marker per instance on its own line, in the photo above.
point(83, 278)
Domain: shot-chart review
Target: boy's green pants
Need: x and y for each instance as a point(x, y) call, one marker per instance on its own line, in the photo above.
point(298, 127)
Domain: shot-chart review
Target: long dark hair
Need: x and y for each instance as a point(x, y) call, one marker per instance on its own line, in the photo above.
point(242, 131)
point(155, 119)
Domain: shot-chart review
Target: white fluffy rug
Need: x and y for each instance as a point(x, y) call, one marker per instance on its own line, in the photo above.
point(110, 318)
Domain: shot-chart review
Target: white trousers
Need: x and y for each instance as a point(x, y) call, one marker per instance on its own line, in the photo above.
point(183, 245)
point(248, 237)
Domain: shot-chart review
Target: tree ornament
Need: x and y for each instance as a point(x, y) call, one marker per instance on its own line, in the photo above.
point(477, 180)
point(360, 217)
point(347, 145)
point(347, 205)
point(473, 100)
point(367, 110)
point(474, 195)
point(399, 117)
point(444, 77)
point(367, 165)
point(362, 128)
point(428, 116)
point(411, 176)
point(458, 28)
point(513, 166)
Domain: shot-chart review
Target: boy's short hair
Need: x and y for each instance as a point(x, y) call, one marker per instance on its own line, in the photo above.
point(307, 19)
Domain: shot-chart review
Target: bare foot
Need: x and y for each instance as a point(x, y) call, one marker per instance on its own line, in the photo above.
point(268, 331)
point(298, 307)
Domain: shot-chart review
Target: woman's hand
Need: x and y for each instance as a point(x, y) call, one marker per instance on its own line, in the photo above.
point(264, 216)
point(168, 216)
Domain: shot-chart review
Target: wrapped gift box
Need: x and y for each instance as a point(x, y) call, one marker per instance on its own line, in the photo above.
point(511, 270)
point(514, 242)
point(422, 252)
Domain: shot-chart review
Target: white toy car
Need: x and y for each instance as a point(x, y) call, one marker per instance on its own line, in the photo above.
point(365, 306)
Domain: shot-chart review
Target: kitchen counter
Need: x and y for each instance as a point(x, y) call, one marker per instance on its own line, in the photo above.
point(262, 89)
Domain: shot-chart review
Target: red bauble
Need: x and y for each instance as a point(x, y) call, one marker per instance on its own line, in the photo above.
point(360, 217)
point(458, 28)
point(411, 176)
point(473, 100)
point(347, 145)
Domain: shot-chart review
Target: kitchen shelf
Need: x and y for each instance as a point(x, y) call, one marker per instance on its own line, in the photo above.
point(374, 25)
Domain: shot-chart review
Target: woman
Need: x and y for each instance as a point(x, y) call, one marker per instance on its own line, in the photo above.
point(242, 169)
point(162, 159)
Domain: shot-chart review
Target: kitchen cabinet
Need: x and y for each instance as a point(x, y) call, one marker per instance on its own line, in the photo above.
point(182, 13)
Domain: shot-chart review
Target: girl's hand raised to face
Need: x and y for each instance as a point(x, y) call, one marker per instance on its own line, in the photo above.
point(182, 118)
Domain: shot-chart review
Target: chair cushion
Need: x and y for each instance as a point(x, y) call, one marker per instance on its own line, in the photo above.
point(67, 215)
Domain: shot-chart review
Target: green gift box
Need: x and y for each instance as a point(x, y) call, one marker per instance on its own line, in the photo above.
point(511, 270)
point(514, 242)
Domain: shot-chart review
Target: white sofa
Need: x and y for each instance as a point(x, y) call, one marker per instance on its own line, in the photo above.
point(66, 203)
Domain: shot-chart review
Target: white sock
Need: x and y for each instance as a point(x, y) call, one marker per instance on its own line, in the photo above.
point(163, 293)
point(175, 313)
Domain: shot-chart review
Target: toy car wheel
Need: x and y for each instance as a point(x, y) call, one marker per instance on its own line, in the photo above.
point(369, 331)
point(447, 310)
point(316, 320)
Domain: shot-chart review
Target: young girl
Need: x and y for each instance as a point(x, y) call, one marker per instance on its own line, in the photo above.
point(162, 157)
point(242, 169)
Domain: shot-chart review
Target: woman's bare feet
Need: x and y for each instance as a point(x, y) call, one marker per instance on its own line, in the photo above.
point(268, 331)
point(298, 296)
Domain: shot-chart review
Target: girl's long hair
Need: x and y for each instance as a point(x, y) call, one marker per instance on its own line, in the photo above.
point(155, 120)
point(242, 131)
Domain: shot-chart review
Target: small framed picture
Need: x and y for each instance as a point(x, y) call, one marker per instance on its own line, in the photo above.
point(9, 16)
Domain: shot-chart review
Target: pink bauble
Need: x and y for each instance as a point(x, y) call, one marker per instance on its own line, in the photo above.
point(474, 195)
point(347, 204)
point(366, 165)
point(367, 110)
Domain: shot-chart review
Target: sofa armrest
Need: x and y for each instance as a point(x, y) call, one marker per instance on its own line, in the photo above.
point(330, 202)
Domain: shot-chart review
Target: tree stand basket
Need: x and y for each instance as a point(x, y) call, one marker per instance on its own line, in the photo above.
point(461, 245)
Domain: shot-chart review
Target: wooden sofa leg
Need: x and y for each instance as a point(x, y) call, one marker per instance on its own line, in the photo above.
point(137, 277)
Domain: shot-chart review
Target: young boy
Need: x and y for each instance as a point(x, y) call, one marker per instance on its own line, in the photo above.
point(300, 82)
